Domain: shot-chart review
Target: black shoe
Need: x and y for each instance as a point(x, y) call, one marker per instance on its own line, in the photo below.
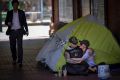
point(14, 62)
point(20, 65)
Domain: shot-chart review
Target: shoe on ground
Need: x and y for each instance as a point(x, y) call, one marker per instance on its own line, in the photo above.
point(20, 65)
point(14, 62)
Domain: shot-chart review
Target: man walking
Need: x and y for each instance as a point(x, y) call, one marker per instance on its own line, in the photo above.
point(17, 27)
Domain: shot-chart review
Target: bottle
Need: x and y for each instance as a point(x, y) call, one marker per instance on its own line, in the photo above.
point(65, 72)
point(103, 72)
point(60, 72)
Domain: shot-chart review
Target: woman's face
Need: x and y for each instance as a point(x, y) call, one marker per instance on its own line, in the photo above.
point(83, 47)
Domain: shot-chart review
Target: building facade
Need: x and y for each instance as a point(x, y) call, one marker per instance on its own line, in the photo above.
point(107, 11)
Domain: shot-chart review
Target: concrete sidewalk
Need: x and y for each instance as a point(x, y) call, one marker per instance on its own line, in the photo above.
point(35, 32)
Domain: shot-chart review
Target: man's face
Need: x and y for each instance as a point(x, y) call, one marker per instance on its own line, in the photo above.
point(73, 45)
point(15, 6)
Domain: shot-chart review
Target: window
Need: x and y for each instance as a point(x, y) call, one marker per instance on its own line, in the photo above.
point(97, 9)
point(65, 11)
point(85, 7)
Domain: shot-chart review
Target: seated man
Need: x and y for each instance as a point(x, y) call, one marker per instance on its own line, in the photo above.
point(73, 54)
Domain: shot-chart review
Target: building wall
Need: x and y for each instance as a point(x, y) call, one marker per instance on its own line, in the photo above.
point(55, 12)
point(112, 14)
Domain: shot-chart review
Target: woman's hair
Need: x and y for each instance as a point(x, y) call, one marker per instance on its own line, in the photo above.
point(86, 42)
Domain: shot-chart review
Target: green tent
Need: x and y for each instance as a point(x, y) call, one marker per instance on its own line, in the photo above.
point(101, 40)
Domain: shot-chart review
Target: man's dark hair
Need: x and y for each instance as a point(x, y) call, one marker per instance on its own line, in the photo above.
point(15, 1)
point(73, 40)
point(86, 42)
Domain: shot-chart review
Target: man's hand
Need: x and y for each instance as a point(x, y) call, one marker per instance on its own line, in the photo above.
point(77, 60)
point(9, 24)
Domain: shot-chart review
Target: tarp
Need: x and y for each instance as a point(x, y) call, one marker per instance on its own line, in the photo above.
point(56, 41)
point(101, 40)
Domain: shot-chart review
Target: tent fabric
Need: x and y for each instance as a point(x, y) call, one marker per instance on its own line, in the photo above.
point(54, 46)
point(55, 41)
point(101, 40)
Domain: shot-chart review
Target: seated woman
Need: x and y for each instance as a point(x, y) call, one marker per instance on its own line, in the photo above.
point(89, 58)
point(73, 54)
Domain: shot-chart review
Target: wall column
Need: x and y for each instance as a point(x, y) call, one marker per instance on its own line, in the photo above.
point(0, 16)
point(113, 17)
point(55, 13)
point(77, 9)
